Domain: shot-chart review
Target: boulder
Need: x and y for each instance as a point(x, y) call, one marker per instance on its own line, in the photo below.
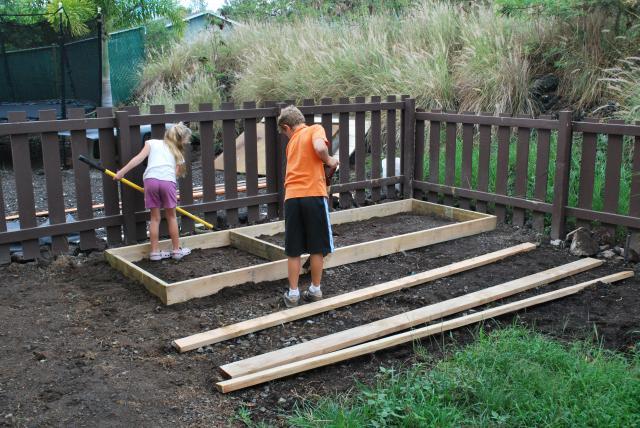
point(582, 244)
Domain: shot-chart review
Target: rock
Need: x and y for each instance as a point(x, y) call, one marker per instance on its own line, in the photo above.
point(556, 242)
point(618, 250)
point(634, 242)
point(582, 244)
point(200, 351)
point(573, 232)
point(604, 247)
point(608, 254)
point(282, 400)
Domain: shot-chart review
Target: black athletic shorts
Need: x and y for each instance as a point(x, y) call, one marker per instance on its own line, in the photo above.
point(307, 226)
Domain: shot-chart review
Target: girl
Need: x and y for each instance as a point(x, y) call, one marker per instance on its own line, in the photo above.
point(166, 161)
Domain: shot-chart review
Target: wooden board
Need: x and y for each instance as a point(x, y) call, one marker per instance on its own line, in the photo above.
point(400, 322)
point(469, 223)
point(240, 152)
point(398, 339)
point(249, 326)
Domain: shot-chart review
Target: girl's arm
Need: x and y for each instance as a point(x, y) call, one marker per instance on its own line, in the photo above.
point(135, 161)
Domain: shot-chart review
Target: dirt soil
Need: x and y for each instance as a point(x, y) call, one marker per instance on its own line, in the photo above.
point(81, 344)
point(374, 228)
point(201, 263)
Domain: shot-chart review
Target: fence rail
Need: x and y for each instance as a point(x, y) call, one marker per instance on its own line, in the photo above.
point(540, 172)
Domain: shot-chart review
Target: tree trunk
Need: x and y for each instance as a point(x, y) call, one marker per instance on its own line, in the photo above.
point(107, 99)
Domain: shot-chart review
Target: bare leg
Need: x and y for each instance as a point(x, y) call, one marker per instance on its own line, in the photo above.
point(172, 223)
point(317, 262)
point(293, 266)
point(154, 229)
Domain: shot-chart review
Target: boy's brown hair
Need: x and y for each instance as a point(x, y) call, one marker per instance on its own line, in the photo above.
point(290, 116)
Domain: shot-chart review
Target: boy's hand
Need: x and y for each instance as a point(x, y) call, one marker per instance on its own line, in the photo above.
point(118, 176)
point(333, 162)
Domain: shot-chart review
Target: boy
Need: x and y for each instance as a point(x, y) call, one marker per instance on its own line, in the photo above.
point(307, 225)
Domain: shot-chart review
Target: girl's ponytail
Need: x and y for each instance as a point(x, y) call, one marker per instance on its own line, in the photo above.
point(176, 138)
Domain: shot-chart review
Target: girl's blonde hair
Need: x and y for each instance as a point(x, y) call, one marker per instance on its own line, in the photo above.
point(176, 138)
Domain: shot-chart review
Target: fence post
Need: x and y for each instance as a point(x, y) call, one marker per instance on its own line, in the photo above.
point(128, 195)
point(561, 183)
point(409, 144)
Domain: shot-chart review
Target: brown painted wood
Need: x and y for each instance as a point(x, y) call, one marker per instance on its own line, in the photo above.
point(251, 161)
point(230, 167)
point(108, 156)
point(418, 167)
point(587, 171)
point(185, 184)
point(561, 181)
point(82, 180)
point(136, 174)
point(20, 154)
point(391, 147)
point(434, 156)
point(37, 127)
point(366, 184)
point(376, 148)
point(603, 217)
point(634, 202)
point(502, 170)
point(55, 194)
point(467, 160)
point(409, 146)
point(208, 155)
point(522, 173)
point(403, 123)
point(327, 123)
point(613, 127)
point(361, 154)
point(507, 120)
point(611, 191)
point(343, 153)
point(450, 158)
point(128, 194)
point(33, 233)
point(5, 252)
point(271, 159)
point(542, 174)
point(309, 118)
point(484, 158)
point(484, 196)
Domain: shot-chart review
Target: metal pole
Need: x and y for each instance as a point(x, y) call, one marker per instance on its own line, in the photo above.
point(100, 24)
point(63, 98)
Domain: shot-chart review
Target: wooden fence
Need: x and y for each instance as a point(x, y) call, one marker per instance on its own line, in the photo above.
point(520, 168)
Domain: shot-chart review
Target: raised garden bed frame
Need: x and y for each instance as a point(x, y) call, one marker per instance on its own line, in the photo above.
point(244, 238)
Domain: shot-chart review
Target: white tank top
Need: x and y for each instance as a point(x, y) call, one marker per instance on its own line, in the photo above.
point(161, 164)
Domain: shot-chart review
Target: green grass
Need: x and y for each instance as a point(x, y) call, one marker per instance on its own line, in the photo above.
point(512, 377)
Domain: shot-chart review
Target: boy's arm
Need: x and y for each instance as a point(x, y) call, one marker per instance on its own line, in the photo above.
point(134, 162)
point(320, 146)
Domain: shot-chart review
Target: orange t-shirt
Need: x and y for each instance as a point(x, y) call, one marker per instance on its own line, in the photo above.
point(305, 171)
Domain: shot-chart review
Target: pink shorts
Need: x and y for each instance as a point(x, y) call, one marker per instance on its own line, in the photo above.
point(159, 193)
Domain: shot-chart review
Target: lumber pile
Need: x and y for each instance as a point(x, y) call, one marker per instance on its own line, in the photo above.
point(391, 331)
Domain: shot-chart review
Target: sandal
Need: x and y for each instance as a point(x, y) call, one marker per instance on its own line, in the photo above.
point(159, 255)
point(178, 254)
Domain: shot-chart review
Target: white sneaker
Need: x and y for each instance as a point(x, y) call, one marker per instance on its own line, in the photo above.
point(179, 254)
point(159, 255)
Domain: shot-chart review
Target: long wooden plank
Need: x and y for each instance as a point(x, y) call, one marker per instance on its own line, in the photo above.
point(249, 326)
point(403, 321)
point(391, 147)
point(361, 154)
point(55, 192)
point(251, 161)
point(484, 156)
point(434, 156)
point(398, 339)
point(502, 167)
point(108, 158)
point(522, 176)
point(376, 148)
point(542, 174)
point(467, 160)
point(20, 155)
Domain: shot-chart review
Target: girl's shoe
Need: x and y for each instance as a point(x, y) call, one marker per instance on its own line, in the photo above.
point(159, 255)
point(178, 254)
